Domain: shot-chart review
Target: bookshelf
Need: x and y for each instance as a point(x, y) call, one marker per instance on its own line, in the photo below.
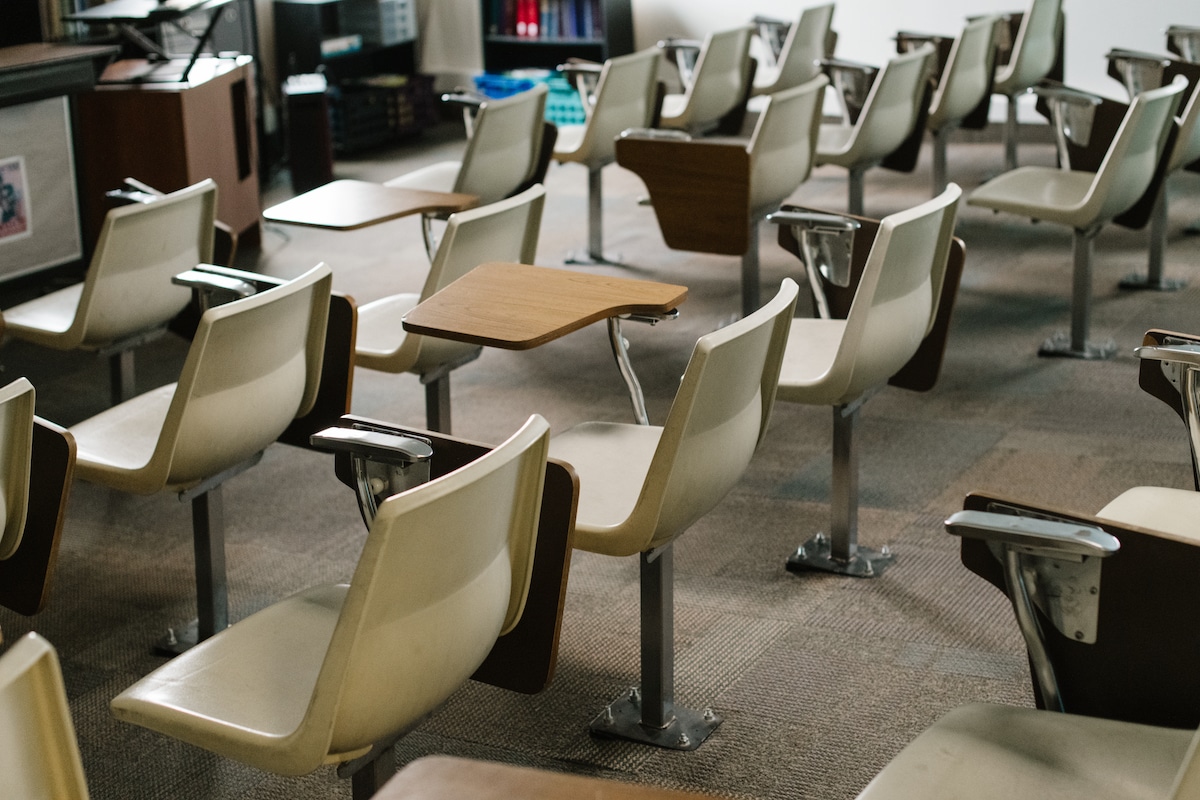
point(591, 29)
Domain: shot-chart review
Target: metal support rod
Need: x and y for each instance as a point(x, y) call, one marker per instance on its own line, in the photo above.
point(844, 484)
point(437, 404)
point(371, 777)
point(620, 350)
point(750, 272)
point(1081, 288)
point(1039, 660)
point(1158, 239)
point(120, 365)
point(212, 592)
point(595, 246)
point(855, 204)
point(1010, 134)
point(1190, 394)
point(940, 139)
point(658, 637)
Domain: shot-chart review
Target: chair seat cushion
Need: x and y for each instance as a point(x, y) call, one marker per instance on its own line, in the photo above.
point(568, 142)
point(612, 460)
point(1174, 512)
point(989, 751)
point(45, 319)
point(114, 447)
point(1045, 193)
point(439, 177)
point(807, 374)
point(381, 331)
point(241, 693)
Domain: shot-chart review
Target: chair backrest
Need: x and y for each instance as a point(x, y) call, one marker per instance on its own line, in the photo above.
point(968, 73)
point(503, 150)
point(719, 79)
point(1035, 47)
point(506, 230)
point(783, 143)
point(1187, 141)
point(253, 367)
point(717, 420)
point(625, 97)
point(1187, 780)
point(443, 572)
point(892, 106)
point(141, 247)
point(39, 757)
point(16, 446)
point(896, 300)
point(1131, 160)
point(800, 58)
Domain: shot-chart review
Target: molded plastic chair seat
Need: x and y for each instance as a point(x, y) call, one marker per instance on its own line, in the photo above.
point(640, 487)
point(339, 672)
point(888, 117)
point(719, 82)
point(799, 58)
point(126, 296)
point(839, 362)
point(16, 445)
point(254, 365)
point(1086, 201)
point(991, 751)
point(1172, 511)
point(710, 196)
point(1035, 49)
point(39, 758)
point(625, 97)
point(506, 230)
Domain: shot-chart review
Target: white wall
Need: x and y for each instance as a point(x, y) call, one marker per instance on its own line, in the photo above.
point(451, 33)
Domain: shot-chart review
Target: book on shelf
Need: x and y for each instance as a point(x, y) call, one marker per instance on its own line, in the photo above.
point(546, 19)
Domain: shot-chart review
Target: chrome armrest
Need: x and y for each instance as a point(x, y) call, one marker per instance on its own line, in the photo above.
point(215, 285)
point(1184, 40)
point(464, 97)
point(1183, 354)
point(774, 33)
point(1181, 367)
point(852, 81)
point(685, 53)
point(584, 76)
point(1051, 564)
point(912, 40)
point(827, 244)
point(1138, 71)
point(384, 463)
point(1071, 112)
point(655, 133)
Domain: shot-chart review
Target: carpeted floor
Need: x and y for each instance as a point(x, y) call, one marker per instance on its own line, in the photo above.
point(820, 679)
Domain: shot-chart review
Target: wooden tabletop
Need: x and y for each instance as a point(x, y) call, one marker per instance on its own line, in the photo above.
point(347, 205)
point(450, 778)
point(519, 307)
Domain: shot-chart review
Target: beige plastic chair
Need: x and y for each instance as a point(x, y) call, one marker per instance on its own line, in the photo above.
point(641, 486)
point(1087, 201)
point(965, 81)
point(1184, 151)
point(625, 98)
point(842, 362)
point(710, 195)
point(501, 158)
point(989, 752)
point(800, 57)
point(39, 757)
point(506, 230)
point(1034, 51)
point(253, 366)
point(337, 673)
point(715, 86)
point(888, 116)
point(126, 297)
point(16, 446)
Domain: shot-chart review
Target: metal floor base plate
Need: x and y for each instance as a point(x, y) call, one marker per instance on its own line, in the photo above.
point(177, 640)
point(1138, 281)
point(584, 259)
point(816, 554)
point(1059, 346)
point(622, 720)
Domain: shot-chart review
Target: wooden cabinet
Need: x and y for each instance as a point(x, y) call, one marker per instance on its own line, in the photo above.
point(591, 29)
point(170, 135)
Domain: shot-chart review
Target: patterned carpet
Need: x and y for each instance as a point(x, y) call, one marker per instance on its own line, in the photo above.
point(820, 679)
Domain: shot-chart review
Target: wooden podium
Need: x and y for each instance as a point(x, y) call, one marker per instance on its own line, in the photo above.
point(170, 134)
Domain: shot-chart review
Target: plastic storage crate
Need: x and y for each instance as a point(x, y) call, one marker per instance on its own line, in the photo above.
point(563, 104)
point(374, 111)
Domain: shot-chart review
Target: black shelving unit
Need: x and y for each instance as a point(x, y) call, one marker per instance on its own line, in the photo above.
point(504, 50)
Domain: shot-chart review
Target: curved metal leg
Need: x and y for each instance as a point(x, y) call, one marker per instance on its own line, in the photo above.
point(620, 349)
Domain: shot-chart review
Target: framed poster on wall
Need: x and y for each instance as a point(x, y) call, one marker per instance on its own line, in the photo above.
point(39, 217)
